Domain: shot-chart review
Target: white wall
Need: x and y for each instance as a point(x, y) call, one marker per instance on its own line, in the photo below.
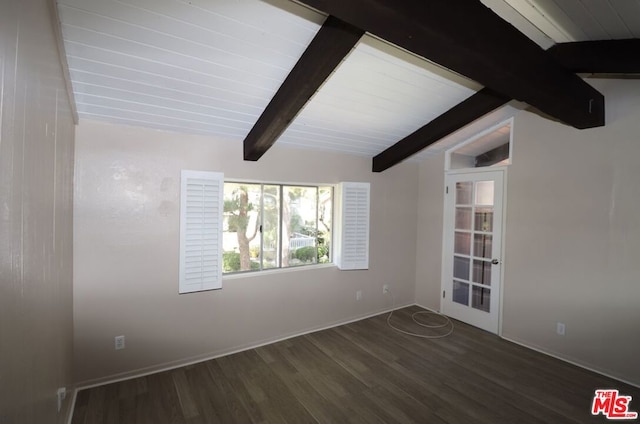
point(126, 252)
point(36, 177)
point(429, 242)
point(572, 236)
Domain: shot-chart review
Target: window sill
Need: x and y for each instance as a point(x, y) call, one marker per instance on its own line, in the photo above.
point(251, 274)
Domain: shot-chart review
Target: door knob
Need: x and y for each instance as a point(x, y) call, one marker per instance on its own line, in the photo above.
point(495, 261)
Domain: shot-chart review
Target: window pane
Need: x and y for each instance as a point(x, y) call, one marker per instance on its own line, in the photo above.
point(299, 226)
point(484, 219)
point(274, 226)
point(325, 223)
point(241, 236)
point(482, 272)
point(484, 193)
point(462, 243)
point(461, 267)
point(481, 298)
point(461, 293)
point(463, 193)
point(463, 218)
point(271, 226)
point(482, 244)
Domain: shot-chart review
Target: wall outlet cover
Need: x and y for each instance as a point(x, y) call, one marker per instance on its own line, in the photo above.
point(119, 342)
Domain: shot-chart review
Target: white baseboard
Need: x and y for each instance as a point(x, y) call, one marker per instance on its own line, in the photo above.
point(569, 361)
point(88, 384)
point(427, 308)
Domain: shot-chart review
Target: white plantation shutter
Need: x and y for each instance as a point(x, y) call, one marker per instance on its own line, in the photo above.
point(201, 207)
point(352, 246)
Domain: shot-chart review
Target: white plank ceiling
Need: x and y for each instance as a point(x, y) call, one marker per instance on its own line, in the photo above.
point(197, 66)
point(582, 20)
point(376, 97)
point(212, 66)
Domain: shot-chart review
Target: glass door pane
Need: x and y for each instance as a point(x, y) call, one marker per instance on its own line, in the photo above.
point(483, 219)
point(481, 272)
point(461, 268)
point(461, 293)
point(464, 190)
point(484, 193)
point(482, 244)
point(481, 298)
point(463, 218)
point(462, 243)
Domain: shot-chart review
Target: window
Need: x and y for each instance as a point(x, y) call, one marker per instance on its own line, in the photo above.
point(275, 226)
point(491, 147)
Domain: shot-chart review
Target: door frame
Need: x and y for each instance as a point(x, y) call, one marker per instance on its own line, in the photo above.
point(443, 283)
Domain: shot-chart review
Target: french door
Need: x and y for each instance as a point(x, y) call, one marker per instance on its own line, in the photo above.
point(471, 275)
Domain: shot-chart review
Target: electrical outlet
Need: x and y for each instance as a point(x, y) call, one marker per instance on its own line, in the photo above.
point(61, 393)
point(119, 342)
point(560, 328)
point(359, 295)
point(385, 289)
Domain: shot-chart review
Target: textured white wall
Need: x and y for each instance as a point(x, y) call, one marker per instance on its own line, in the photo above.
point(36, 177)
point(572, 236)
point(126, 252)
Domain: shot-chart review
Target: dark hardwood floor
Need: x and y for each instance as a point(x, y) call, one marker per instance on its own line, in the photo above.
point(362, 372)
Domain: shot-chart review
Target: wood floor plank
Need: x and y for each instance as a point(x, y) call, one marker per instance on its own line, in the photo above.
point(211, 401)
point(112, 405)
point(396, 406)
point(318, 406)
point(165, 404)
point(362, 372)
point(331, 381)
point(144, 409)
point(96, 406)
point(128, 409)
point(227, 405)
point(185, 397)
point(240, 384)
point(278, 399)
point(320, 370)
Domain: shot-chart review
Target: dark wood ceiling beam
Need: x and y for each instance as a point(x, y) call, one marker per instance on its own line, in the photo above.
point(599, 57)
point(476, 106)
point(469, 38)
point(329, 47)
